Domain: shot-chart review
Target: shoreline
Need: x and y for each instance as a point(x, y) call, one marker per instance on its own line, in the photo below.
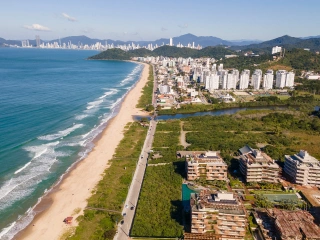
point(75, 187)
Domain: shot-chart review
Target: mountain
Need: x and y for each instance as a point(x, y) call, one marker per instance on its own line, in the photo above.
point(318, 36)
point(185, 39)
point(167, 51)
point(285, 41)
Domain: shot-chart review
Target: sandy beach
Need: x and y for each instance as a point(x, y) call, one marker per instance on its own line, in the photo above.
point(77, 185)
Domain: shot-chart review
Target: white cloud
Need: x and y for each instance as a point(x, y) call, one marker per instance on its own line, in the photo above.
point(69, 18)
point(37, 27)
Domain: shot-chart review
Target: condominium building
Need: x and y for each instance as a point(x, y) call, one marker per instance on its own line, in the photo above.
point(256, 79)
point(220, 213)
point(302, 168)
point(209, 165)
point(281, 78)
point(268, 79)
point(231, 81)
point(257, 166)
point(212, 82)
point(290, 79)
point(244, 79)
point(276, 49)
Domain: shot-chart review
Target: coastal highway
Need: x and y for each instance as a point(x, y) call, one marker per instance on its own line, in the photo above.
point(129, 207)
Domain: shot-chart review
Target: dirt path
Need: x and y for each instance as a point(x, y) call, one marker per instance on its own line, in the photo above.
point(183, 136)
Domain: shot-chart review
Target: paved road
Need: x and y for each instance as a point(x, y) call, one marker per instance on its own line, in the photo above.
point(130, 204)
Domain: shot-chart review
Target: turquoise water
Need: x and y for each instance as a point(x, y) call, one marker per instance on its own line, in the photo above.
point(53, 103)
point(186, 194)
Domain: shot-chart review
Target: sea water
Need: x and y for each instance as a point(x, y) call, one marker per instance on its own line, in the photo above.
point(53, 103)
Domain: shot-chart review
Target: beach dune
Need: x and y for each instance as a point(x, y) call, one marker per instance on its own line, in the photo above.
point(72, 193)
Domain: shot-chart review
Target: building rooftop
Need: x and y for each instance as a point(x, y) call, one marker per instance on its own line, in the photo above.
point(224, 202)
point(295, 224)
point(213, 157)
point(254, 156)
point(303, 158)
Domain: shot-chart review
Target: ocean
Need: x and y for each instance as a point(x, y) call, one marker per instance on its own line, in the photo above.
point(53, 103)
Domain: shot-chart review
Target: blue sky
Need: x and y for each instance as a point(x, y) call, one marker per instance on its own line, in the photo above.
point(150, 20)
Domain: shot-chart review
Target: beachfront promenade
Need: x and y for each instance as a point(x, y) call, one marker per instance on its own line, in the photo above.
point(130, 203)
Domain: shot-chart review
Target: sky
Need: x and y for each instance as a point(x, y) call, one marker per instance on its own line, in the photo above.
point(150, 20)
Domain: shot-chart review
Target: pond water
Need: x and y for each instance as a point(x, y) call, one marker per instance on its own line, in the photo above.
point(219, 112)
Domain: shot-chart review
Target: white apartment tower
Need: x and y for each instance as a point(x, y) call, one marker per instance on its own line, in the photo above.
point(244, 79)
point(212, 82)
point(223, 80)
point(171, 42)
point(214, 67)
point(268, 79)
point(276, 49)
point(290, 79)
point(231, 81)
point(256, 79)
point(281, 78)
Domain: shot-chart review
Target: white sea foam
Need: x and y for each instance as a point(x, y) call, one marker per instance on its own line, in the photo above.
point(20, 169)
point(94, 104)
point(112, 91)
point(38, 151)
point(82, 116)
point(60, 134)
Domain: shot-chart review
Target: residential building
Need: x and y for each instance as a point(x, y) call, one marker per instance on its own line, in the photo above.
point(302, 168)
point(281, 76)
point(212, 82)
point(276, 49)
point(164, 89)
point(290, 79)
point(257, 166)
point(244, 79)
point(208, 165)
point(220, 212)
point(268, 79)
point(256, 79)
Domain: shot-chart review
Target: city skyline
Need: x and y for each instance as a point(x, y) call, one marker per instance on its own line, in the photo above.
point(145, 21)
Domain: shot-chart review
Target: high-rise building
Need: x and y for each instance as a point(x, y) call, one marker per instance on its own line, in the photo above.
point(171, 42)
point(290, 79)
point(281, 78)
point(214, 67)
point(268, 80)
point(219, 212)
point(256, 79)
point(276, 49)
point(244, 79)
point(231, 81)
point(223, 79)
point(38, 40)
point(212, 82)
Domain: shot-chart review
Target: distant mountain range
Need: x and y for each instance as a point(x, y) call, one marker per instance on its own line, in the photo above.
point(183, 39)
point(285, 41)
point(205, 41)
